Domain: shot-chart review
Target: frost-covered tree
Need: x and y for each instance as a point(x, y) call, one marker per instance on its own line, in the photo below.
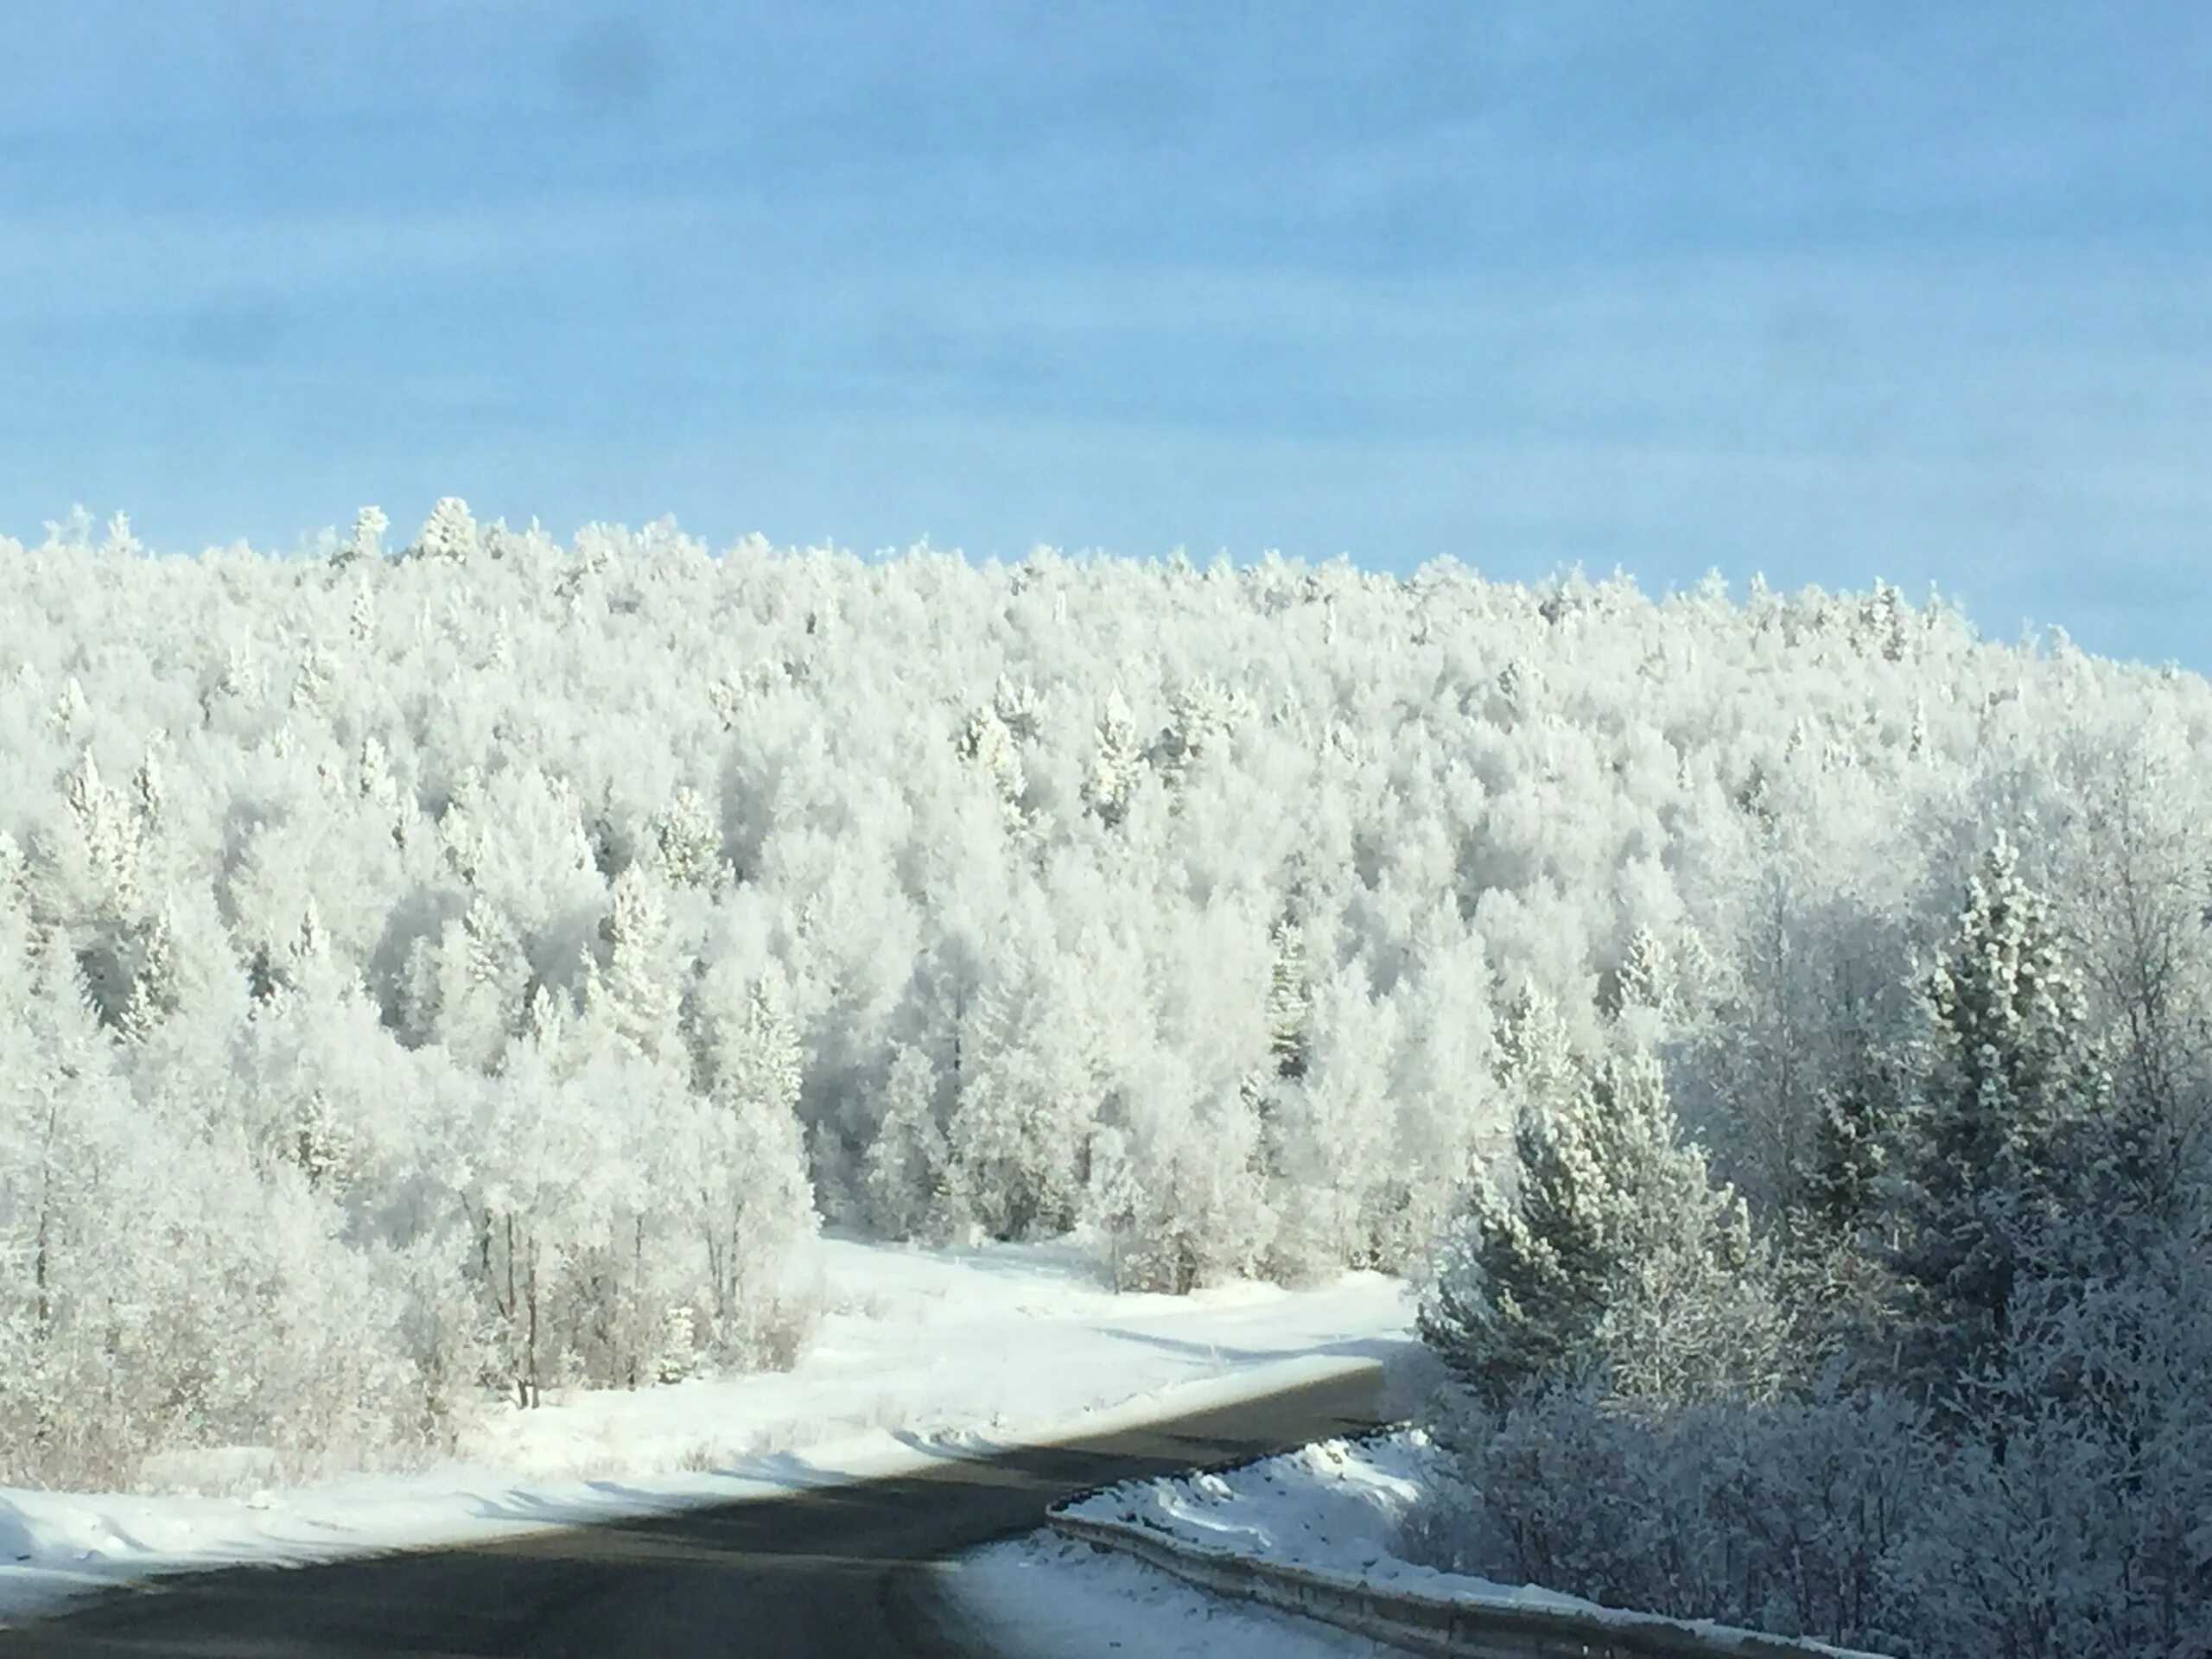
point(634, 993)
point(1289, 1000)
point(1118, 762)
point(2011, 1067)
point(988, 745)
point(1459, 789)
point(1647, 977)
point(366, 540)
point(1328, 1133)
point(687, 842)
point(1613, 1252)
point(156, 993)
point(361, 614)
point(1177, 1192)
point(755, 1201)
point(1028, 1097)
point(1018, 709)
point(482, 981)
point(1203, 714)
point(1838, 1188)
point(906, 1162)
point(449, 532)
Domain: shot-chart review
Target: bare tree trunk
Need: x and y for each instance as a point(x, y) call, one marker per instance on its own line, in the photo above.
point(535, 1393)
point(42, 1265)
point(509, 1308)
point(635, 1360)
point(43, 1269)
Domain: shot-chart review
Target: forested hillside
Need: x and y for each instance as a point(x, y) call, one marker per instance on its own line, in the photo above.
point(477, 964)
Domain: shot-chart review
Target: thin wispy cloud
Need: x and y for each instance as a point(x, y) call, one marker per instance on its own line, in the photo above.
point(1827, 296)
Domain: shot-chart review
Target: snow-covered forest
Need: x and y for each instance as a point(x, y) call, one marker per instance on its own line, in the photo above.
point(475, 964)
point(1906, 1349)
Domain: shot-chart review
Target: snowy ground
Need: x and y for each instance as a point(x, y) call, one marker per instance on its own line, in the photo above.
point(1043, 1595)
point(922, 1354)
point(1335, 1507)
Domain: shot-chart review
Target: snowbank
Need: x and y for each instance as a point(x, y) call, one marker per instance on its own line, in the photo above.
point(1335, 1506)
point(1333, 1509)
point(1043, 1594)
point(922, 1355)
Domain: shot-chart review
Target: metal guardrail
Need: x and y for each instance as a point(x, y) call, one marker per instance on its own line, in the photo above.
point(1440, 1626)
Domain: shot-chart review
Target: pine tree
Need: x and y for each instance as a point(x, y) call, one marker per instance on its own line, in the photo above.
point(319, 1141)
point(311, 690)
point(240, 683)
point(1203, 714)
point(545, 1018)
point(377, 783)
point(906, 1162)
point(1836, 1182)
point(987, 745)
point(463, 830)
point(449, 532)
point(687, 843)
point(1027, 1097)
point(757, 1056)
point(2009, 1071)
point(1647, 975)
point(636, 994)
point(483, 978)
point(154, 992)
point(366, 540)
point(1018, 709)
point(1290, 999)
point(1692, 1313)
point(1839, 1180)
point(1525, 1274)
point(71, 710)
point(149, 793)
point(362, 615)
point(107, 832)
point(1615, 1251)
point(1119, 762)
point(122, 542)
point(1538, 1069)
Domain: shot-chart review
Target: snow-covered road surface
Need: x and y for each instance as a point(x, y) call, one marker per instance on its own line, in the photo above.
point(924, 1355)
point(844, 1570)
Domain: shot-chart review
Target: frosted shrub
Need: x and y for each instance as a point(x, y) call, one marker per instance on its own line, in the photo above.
point(2084, 1524)
point(2057, 1549)
point(1783, 1517)
point(1995, 1438)
point(679, 1345)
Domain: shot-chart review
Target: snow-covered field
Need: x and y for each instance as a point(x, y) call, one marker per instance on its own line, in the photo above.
point(922, 1354)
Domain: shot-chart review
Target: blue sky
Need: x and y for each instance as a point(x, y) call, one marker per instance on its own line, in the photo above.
point(1829, 292)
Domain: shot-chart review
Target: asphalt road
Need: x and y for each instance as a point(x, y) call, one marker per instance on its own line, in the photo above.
point(841, 1571)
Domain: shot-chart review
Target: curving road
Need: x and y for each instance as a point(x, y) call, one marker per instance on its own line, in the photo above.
point(839, 1571)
